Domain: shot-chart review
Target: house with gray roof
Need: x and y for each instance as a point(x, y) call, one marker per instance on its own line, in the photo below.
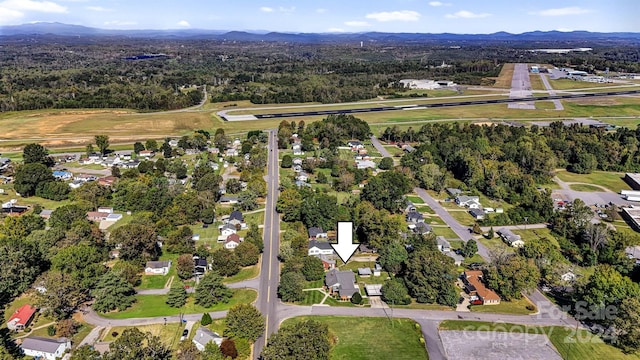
point(317, 233)
point(510, 238)
point(443, 244)
point(157, 267)
point(317, 248)
point(472, 202)
point(422, 228)
point(45, 348)
point(477, 214)
point(341, 283)
point(414, 217)
point(204, 336)
point(454, 191)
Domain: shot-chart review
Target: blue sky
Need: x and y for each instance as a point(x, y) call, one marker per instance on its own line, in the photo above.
point(426, 16)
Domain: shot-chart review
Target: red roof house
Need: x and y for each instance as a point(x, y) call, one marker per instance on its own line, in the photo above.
point(21, 318)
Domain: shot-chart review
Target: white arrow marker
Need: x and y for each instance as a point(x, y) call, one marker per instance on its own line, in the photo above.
point(345, 246)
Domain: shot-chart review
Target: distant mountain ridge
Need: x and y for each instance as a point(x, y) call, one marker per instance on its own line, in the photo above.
point(60, 29)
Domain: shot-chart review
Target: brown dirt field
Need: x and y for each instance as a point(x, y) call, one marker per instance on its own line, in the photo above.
point(506, 75)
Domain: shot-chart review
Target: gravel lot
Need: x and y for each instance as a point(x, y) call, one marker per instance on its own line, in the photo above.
point(467, 345)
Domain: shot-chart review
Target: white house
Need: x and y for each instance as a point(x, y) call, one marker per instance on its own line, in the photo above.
point(317, 248)
point(157, 267)
point(204, 336)
point(227, 230)
point(232, 241)
point(472, 202)
point(45, 348)
point(297, 149)
point(365, 164)
point(510, 238)
point(443, 244)
point(302, 176)
point(568, 276)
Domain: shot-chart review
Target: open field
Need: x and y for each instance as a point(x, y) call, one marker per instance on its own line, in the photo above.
point(610, 180)
point(571, 344)
point(154, 305)
point(534, 234)
point(32, 200)
point(503, 80)
point(516, 307)
point(371, 338)
point(445, 231)
point(584, 187)
point(536, 82)
point(245, 273)
point(569, 84)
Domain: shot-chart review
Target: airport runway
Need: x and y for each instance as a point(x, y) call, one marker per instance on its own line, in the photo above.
point(440, 105)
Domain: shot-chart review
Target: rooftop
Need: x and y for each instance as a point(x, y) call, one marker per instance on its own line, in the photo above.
point(43, 344)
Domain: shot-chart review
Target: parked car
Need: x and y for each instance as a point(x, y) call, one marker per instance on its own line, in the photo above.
point(185, 333)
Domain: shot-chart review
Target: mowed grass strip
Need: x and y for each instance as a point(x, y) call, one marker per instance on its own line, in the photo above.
point(516, 307)
point(360, 338)
point(571, 344)
point(154, 306)
point(610, 180)
point(585, 187)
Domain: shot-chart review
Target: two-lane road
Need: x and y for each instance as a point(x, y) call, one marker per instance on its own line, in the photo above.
point(270, 269)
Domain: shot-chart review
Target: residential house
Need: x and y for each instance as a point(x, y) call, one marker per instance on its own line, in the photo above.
point(237, 216)
point(341, 283)
point(85, 177)
point(454, 192)
point(302, 176)
point(377, 270)
point(62, 175)
point(200, 265)
point(228, 200)
point(227, 229)
point(147, 154)
point(373, 290)
point(364, 249)
point(477, 214)
point(104, 209)
point(46, 214)
point(231, 152)
point(365, 164)
point(297, 149)
point(355, 145)
point(297, 161)
point(97, 216)
point(422, 228)
point(569, 276)
point(414, 217)
point(480, 294)
point(132, 164)
point(443, 244)
point(410, 207)
point(203, 336)
point(157, 267)
point(472, 202)
point(236, 142)
point(45, 348)
point(113, 217)
point(21, 318)
point(633, 252)
point(297, 168)
point(300, 184)
point(76, 184)
point(408, 148)
point(173, 143)
point(4, 163)
point(317, 248)
point(232, 241)
point(327, 262)
point(107, 181)
point(510, 238)
point(317, 233)
point(457, 259)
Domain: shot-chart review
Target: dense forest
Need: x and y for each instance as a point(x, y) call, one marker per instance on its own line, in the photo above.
point(108, 72)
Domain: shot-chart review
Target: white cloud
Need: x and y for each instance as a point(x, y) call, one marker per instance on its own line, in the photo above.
point(287, 10)
point(120, 23)
point(266, 9)
point(8, 16)
point(321, 11)
point(464, 14)
point(357, 23)
point(564, 30)
point(184, 23)
point(402, 15)
point(335, 30)
point(98, 8)
point(438, 3)
point(14, 6)
point(571, 10)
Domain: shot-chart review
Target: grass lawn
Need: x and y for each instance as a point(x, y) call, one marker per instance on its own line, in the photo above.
point(420, 306)
point(585, 187)
point(463, 217)
point(359, 338)
point(446, 232)
point(570, 344)
point(9, 193)
point(314, 284)
point(255, 218)
point(610, 180)
point(534, 234)
point(333, 302)
point(434, 220)
point(154, 305)
point(415, 199)
point(245, 273)
point(159, 281)
point(425, 209)
point(506, 75)
point(311, 297)
point(569, 84)
point(516, 307)
point(169, 334)
point(496, 244)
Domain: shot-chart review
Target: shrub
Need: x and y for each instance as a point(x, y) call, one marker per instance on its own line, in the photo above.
point(228, 348)
point(356, 298)
point(51, 330)
point(114, 334)
point(206, 319)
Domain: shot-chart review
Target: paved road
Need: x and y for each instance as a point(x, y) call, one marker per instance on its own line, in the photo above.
point(521, 88)
point(381, 149)
point(547, 85)
point(270, 269)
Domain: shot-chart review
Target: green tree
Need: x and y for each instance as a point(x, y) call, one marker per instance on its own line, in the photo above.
point(177, 296)
point(356, 298)
point(429, 275)
point(287, 162)
point(307, 339)
point(36, 154)
point(394, 292)
point(185, 266)
point(53, 190)
point(244, 321)
point(477, 229)
point(393, 256)
point(132, 344)
point(386, 163)
point(248, 200)
point(21, 264)
point(92, 193)
point(254, 236)
point(225, 262)
point(289, 203)
point(233, 186)
point(625, 325)
point(321, 178)
point(82, 261)
point(19, 227)
point(137, 147)
point(247, 253)
point(206, 319)
point(64, 216)
point(63, 294)
point(151, 144)
point(112, 292)
point(511, 275)
point(85, 352)
point(470, 248)
point(386, 191)
point(605, 287)
point(312, 268)
point(291, 286)
point(128, 271)
point(138, 242)
point(211, 290)
point(102, 142)
point(29, 176)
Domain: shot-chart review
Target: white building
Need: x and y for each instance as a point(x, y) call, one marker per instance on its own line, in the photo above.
point(45, 348)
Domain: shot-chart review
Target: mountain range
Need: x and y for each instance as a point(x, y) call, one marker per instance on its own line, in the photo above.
point(59, 29)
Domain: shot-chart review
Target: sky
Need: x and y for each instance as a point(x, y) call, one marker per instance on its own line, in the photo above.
point(421, 16)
